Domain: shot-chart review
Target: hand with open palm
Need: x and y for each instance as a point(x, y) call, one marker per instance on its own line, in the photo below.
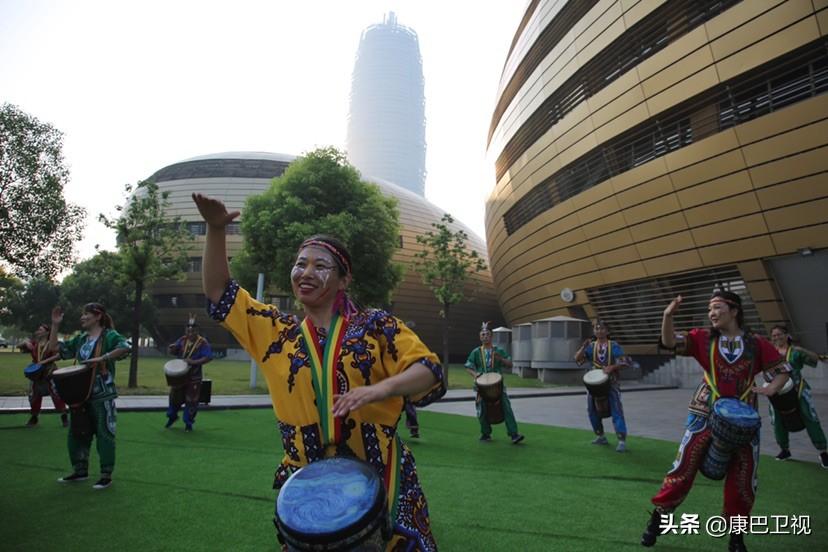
point(213, 211)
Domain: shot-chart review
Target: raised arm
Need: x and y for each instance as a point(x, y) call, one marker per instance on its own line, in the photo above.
point(668, 338)
point(57, 318)
point(215, 270)
point(580, 357)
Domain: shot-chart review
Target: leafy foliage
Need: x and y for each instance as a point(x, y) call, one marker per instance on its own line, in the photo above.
point(101, 279)
point(151, 245)
point(38, 227)
point(321, 193)
point(27, 305)
point(446, 262)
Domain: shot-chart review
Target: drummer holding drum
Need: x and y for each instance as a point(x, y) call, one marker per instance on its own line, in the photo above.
point(88, 388)
point(721, 436)
point(337, 380)
point(604, 392)
point(39, 372)
point(185, 374)
point(798, 399)
point(493, 407)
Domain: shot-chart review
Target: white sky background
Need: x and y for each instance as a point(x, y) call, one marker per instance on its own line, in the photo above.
point(139, 85)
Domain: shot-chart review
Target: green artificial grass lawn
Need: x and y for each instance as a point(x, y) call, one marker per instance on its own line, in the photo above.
point(210, 489)
point(230, 377)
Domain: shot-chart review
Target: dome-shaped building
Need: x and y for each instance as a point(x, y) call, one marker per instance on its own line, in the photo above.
point(647, 149)
point(234, 176)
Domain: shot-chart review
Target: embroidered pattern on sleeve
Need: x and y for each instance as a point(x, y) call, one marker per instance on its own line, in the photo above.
point(438, 391)
point(219, 311)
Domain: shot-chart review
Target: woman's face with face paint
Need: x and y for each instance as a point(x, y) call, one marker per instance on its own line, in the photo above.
point(315, 277)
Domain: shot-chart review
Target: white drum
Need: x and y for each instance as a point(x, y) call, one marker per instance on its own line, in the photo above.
point(598, 385)
point(785, 388)
point(596, 378)
point(177, 372)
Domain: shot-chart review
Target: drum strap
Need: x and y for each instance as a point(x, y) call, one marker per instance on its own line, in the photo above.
point(323, 372)
point(710, 377)
point(788, 357)
point(94, 367)
point(483, 364)
point(96, 353)
point(40, 351)
point(189, 350)
point(392, 476)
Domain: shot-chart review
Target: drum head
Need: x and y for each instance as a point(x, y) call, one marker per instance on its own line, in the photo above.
point(737, 412)
point(329, 500)
point(786, 388)
point(176, 367)
point(489, 378)
point(32, 369)
point(70, 371)
point(595, 377)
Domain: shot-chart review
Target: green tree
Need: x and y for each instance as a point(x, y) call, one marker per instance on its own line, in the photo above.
point(102, 279)
point(38, 227)
point(445, 264)
point(151, 246)
point(320, 193)
point(8, 283)
point(27, 305)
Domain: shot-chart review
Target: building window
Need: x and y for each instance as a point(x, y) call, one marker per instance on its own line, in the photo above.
point(194, 264)
point(197, 228)
point(796, 76)
point(233, 228)
point(633, 310)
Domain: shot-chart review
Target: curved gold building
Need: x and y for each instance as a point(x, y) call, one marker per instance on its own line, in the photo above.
point(644, 149)
point(234, 176)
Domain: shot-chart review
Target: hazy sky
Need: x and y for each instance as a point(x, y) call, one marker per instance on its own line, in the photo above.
point(138, 85)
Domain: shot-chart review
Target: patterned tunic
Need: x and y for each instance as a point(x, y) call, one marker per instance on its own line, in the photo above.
point(82, 347)
point(729, 369)
point(375, 346)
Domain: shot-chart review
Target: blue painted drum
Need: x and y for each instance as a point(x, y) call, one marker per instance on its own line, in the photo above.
point(733, 424)
point(333, 504)
point(34, 371)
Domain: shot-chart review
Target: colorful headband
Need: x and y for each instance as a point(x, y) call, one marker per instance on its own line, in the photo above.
point(719, 299)
point(333, 250)
point(96, 308)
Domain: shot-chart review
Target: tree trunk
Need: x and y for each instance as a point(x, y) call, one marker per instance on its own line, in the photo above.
point(446, 342)
point(136, 334)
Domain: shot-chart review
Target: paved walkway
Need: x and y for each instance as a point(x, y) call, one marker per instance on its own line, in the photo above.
point(132, 403)
point(650, 411)
point(657, 413)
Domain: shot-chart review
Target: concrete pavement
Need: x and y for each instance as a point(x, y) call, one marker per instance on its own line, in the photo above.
point(133, 403)
point(650, 411)
point(656, 413)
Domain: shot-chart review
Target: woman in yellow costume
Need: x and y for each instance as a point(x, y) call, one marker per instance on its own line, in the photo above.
point(338, 378)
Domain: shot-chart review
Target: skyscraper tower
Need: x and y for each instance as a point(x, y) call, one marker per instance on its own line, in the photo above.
point(386, 123)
